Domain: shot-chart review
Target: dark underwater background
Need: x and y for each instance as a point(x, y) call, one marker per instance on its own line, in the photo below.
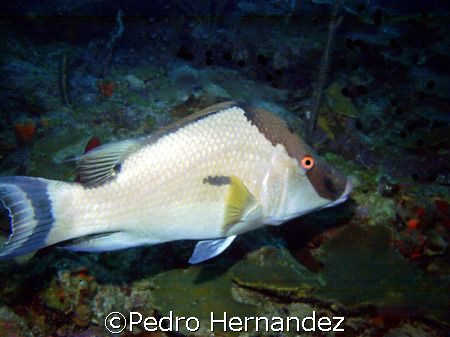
point(365, 82)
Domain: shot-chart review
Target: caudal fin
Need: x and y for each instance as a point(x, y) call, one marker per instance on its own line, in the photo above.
point(30, 210)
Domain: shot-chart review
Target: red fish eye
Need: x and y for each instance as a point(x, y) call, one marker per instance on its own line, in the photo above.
point(308, 162)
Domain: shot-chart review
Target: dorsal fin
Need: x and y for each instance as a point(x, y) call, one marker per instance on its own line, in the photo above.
point(104, 162)
point(198, 115)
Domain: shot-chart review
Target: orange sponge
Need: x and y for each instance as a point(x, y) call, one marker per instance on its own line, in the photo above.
point(25, 131)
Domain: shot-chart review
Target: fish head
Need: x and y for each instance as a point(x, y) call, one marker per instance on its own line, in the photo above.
point(310, 184)
point(299, 180)
point(329, 187)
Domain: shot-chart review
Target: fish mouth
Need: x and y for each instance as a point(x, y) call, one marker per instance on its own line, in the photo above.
point(344, 195)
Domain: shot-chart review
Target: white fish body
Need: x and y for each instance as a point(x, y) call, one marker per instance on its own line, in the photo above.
point(219, 173)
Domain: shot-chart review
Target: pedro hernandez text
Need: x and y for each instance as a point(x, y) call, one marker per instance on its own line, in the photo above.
point(115, 322)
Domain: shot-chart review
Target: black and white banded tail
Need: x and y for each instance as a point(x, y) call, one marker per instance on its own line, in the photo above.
point(30, 209)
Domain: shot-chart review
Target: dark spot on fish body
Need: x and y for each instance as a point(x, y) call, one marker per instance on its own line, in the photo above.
point(431, 84)
point(217, 180)
point(117, 168)
point(241, 63)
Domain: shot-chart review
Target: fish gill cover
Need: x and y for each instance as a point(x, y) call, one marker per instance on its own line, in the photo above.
point(365, 82)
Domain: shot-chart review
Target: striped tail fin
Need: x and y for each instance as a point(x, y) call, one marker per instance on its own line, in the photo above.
point(30, 210)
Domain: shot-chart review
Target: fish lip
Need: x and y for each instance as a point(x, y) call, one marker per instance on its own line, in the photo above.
point(344, 195)
point(348, 188)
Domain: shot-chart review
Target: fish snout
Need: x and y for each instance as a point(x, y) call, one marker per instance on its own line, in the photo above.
point(348, 189)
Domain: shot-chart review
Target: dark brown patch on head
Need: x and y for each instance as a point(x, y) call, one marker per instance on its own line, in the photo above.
point(328, 182)
point(330, 187)
point(277, 131)
point(217, 180)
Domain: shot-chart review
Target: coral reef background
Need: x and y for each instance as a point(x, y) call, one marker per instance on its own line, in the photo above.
point(76, 74)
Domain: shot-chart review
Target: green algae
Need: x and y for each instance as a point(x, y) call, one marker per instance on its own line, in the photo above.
point(197, 292)
point(339, 103)
point(361, 176)
point(362, 268)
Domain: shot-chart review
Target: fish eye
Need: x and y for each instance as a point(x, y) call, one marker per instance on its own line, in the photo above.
point(308, 162)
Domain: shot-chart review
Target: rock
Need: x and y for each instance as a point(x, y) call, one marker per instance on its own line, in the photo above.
point(12, 324)
point(283, 277)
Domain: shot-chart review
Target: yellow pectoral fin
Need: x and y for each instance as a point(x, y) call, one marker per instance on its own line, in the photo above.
point(240, 205)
